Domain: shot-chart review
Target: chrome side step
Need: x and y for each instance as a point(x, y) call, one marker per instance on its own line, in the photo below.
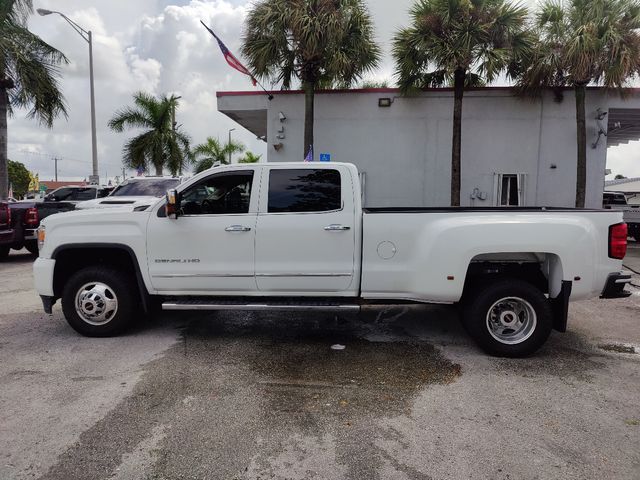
point(259, 306)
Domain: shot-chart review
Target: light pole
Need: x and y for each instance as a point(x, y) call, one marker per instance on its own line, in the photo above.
point(173, 121)
point(86, 36)
point(229, 144)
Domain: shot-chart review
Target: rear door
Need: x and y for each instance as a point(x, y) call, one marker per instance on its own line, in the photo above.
point(305, 233)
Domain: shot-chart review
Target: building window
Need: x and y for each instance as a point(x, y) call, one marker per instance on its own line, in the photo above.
point(303, 190)
point(509, 189)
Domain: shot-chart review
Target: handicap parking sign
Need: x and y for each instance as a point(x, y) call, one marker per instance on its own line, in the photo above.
point(325, 157)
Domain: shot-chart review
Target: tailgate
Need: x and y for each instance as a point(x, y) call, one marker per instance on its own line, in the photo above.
point(49, 208)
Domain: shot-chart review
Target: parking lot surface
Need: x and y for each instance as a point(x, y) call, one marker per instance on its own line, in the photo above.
point(238, 395)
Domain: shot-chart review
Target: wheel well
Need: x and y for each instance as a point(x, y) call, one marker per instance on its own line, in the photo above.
point(541, 270)
point(71, 260)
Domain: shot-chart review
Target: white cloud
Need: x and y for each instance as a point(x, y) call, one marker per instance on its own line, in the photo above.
point(145, 45)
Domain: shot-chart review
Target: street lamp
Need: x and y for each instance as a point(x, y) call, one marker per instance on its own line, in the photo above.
point(86, 36)
point(229, 144)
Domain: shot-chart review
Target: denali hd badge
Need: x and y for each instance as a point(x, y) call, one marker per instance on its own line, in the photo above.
point(177, 260)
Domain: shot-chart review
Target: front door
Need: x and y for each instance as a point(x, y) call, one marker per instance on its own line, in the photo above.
point(305, 240)
point(209, 248)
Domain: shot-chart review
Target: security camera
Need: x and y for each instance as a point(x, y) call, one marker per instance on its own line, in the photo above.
point(282, 116)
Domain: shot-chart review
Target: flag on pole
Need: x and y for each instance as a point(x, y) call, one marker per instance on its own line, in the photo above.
point(229, 57)
point(309, 157)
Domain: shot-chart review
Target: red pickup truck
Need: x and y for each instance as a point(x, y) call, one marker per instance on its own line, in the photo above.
point(6, 231)
point(25, 217)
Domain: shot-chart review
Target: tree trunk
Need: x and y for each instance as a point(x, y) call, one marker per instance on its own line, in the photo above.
point(309, 91)
point(158, 170)
point(458, 88)
point(581, 166)
point(4, 173)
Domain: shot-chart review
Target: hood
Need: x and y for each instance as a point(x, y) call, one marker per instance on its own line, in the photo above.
point(116, 202)
point(82, 216)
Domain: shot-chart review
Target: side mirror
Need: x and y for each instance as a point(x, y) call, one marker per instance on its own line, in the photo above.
point(172, 207)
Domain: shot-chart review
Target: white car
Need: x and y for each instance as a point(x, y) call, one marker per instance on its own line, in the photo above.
point(136, 193)
point(286, 236)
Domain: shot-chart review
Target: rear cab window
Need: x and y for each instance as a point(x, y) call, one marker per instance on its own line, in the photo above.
point(304, 190)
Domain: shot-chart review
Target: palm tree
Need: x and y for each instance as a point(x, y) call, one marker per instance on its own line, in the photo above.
point(250, 157)
point(207, 154)
point(29, 71)
point(582, 42)
point(319, 42)
point(464, 43)
point(161, 144)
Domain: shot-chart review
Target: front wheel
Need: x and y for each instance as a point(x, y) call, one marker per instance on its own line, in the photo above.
point(32, 247)
point(510, 318)
point(99, 301)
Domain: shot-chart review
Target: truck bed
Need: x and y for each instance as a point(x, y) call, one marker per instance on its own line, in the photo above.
point(477, 209)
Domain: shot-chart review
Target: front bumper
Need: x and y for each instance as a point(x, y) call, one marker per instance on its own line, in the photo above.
point(6, 237)
point(43, 269)
point(30, 233)
point(614, 288)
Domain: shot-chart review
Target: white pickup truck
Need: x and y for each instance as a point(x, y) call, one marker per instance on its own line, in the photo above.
point(285, 236)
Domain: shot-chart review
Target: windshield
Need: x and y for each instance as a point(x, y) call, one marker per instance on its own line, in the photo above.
point(145, 188)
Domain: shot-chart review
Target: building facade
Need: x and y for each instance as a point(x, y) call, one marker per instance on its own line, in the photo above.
point(515, 151)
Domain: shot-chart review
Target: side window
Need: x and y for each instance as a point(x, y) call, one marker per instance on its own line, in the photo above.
point(79, 194)
point(220, 194)
point(304, 190)
point(61, 194)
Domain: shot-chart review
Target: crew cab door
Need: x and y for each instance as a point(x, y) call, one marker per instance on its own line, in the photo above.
point(306, 231)
point(209, 248)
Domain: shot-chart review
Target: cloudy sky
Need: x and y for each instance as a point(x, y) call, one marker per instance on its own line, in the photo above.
point(159, 46)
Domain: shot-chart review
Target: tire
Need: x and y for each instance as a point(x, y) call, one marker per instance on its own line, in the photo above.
point(509, 318)
point(4, 253)
point(32, 246)
point(100, 301)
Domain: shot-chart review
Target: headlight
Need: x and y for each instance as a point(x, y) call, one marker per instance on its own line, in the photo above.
point(41, 236)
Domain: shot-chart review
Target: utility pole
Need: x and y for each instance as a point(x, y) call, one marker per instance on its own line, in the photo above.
point(55, 160)
point(124, 177)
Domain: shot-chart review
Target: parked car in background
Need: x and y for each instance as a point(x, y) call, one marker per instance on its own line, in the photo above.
point(6, 230)
point(136, 192)
point(286, 236)
point(630, 213)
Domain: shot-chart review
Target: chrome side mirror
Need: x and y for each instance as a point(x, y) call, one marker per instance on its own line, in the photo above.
point(172, 207)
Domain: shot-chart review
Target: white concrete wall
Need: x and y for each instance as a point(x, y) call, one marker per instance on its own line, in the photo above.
point(405, 149)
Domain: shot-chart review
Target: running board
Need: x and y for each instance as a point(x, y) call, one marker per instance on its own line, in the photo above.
point(273, 306)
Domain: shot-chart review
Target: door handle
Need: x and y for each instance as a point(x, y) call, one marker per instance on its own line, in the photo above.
point(237, 228)
point(336, 227)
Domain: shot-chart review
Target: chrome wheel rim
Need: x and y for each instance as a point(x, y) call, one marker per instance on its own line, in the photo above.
point(96, 303)
point(511, 320)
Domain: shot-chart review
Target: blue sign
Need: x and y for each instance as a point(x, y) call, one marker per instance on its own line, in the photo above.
point(325, 157)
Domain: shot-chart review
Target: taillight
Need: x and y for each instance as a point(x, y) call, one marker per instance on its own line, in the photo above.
point(618, 240)
point(31, 217)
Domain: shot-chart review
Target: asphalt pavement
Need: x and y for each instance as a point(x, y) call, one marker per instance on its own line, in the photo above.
point(239, 395)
